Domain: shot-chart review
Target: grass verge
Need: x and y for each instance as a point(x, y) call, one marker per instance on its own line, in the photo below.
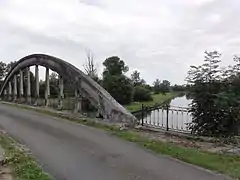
point(24, 166)
point(157, 99)
point(222, 163)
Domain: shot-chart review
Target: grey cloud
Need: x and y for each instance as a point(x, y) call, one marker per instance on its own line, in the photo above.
point(161, 41)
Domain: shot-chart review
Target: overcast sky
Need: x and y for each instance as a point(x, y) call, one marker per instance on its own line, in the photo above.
point(160, 38)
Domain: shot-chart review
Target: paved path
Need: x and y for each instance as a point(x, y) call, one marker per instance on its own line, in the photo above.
point(71, 151)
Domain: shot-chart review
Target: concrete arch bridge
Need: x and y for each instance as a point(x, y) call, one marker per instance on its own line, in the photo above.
point(13, 87)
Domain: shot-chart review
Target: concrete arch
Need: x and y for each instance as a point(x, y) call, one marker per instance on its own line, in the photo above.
point(110, 109)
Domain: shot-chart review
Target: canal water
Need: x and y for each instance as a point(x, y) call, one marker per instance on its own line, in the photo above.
point(178, 116)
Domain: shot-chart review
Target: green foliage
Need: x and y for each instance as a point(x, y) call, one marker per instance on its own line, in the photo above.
point(165, 86)
point(2, 70)
point(136, 80)
point(159, 87)
point(54, 84)
point(24, 166)
point(178, 88)
point(141, 93)
point(216, 102)
point(115, 82)
point(9, 66)
point(120, 87)
point(114, 66)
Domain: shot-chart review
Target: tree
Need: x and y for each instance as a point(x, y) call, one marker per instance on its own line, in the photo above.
point(115, 82)
point(178, 88)
point(2, 70)
point(114, 66)
point(135, 77)
point(90, 66)
point(215, 105)
point(141, 91)
point(157, 86)
point(165, 86)
point(9, 66)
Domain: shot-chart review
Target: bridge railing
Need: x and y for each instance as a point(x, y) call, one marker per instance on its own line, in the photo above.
point(165, 117)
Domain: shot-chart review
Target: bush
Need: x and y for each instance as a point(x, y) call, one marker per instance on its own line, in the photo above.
point(141, 93)
point(120, 88)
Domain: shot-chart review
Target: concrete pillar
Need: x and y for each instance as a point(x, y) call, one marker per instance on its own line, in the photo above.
point(78, 102)
point(37, 85)
point(5, 94)
point(78, 96)
point(47, 87)
point(61, 95)
point(100, 106)
point(9, 90)
point(28, 86)
point(15, 88)
point(21, 86)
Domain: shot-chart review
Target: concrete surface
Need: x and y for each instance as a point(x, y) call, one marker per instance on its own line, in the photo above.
point(70, 151)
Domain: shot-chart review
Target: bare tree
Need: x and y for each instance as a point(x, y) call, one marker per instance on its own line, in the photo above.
point(90, 67)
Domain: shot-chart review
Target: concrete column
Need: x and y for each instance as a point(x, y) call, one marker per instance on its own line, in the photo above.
point(47, 87)
point(101, 108)
point(37, 85)
point(15, 88)
point(28, 86)
point(78, 96)
point(61, 95)
point(9, 90)
point(21, 86)
point(78, 104)
point(5, 94)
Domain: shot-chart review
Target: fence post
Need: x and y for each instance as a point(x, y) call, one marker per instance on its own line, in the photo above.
point(167, 117)
point(142, 114)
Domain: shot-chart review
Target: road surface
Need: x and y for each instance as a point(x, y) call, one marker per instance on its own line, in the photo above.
point(70, 151)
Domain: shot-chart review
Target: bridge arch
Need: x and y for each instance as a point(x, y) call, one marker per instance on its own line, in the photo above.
point(108, 107)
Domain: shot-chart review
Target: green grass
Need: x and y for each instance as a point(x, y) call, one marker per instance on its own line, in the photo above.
point(222, 163)
point(157, 99)
point(23, 165)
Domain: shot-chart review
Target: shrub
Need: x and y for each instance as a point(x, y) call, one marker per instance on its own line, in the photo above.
point(141, 93)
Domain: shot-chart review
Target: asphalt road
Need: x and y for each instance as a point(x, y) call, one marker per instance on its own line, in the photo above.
point(70, 151)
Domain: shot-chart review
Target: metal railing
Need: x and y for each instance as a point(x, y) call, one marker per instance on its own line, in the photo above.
point(166, 117)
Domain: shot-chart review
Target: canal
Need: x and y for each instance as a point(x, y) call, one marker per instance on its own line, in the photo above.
point(176, 118)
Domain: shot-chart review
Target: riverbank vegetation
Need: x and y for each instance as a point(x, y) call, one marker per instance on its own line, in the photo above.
point(215, 91)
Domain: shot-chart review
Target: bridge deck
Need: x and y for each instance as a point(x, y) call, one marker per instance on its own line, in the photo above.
point(76, 152)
